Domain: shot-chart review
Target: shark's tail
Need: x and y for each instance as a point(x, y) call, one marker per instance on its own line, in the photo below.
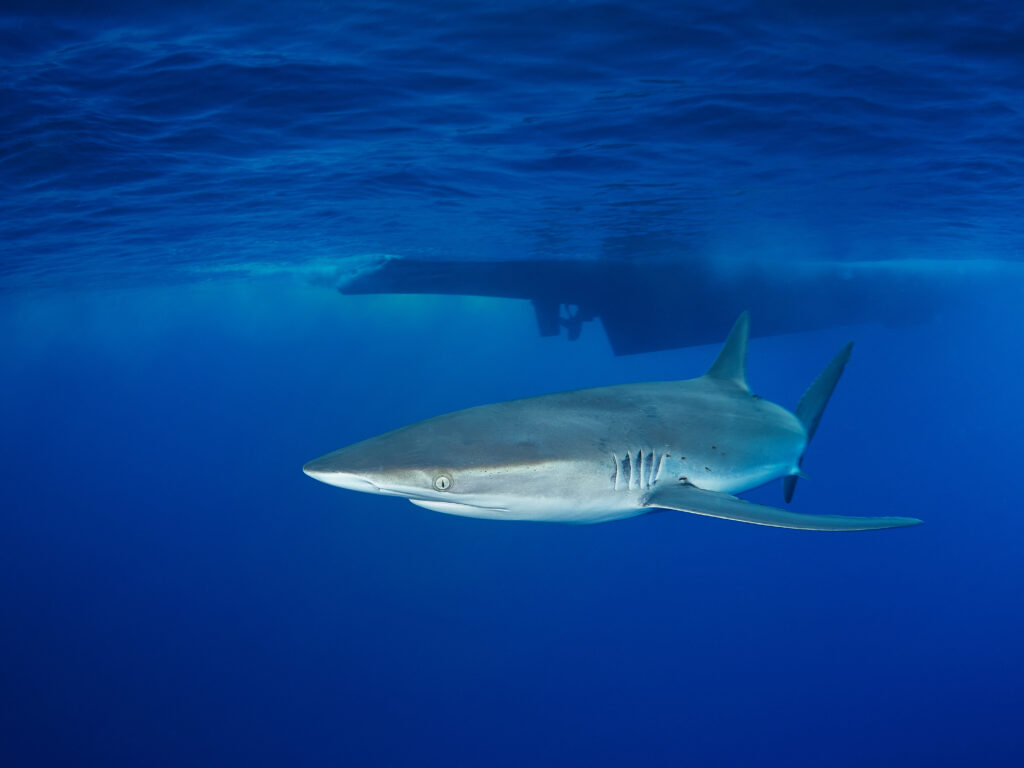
point(813, 403)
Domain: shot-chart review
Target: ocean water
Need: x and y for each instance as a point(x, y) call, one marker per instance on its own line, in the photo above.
point(180, 188)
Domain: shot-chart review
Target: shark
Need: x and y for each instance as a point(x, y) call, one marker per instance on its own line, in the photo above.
point(608, 453)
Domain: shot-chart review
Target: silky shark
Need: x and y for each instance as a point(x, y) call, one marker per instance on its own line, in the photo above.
point(607, 453)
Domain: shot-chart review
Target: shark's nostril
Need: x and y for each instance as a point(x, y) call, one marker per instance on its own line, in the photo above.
point(319, 466)
point(328, 469)
point(342, 480)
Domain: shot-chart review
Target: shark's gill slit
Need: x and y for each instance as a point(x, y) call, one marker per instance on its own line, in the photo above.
point(627, 470)
point(648, 478)
point(615, 472)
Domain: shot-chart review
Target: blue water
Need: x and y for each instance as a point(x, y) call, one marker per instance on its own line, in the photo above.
point(179, 189)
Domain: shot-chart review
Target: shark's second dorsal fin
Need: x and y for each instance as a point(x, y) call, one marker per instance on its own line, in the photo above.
point(731, 364)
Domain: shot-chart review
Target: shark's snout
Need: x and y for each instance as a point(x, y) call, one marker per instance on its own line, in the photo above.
point(327, 471)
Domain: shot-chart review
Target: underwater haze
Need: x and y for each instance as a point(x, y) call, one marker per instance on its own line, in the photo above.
point(183, 188)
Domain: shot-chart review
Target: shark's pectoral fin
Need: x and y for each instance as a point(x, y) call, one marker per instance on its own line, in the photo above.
point(688, 498)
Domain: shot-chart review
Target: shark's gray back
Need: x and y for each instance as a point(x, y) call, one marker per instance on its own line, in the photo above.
point(704, 417)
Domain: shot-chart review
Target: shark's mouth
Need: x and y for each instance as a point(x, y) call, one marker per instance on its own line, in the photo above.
point(465, 510)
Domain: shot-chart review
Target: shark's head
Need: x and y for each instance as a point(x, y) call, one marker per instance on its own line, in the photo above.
point(458, 463)
point(382, 465)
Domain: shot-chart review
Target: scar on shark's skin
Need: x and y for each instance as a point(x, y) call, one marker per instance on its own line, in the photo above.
point(546, 458)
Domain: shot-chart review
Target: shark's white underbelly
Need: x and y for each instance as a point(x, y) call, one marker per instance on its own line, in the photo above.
point(547, 509)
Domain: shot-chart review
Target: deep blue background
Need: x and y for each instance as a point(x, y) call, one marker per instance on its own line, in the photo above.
point(179, 189)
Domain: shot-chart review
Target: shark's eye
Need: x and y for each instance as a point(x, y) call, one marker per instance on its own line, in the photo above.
point(442, 482)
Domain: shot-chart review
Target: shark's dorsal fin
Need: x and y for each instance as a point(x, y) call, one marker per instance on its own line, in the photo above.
point(731, 364)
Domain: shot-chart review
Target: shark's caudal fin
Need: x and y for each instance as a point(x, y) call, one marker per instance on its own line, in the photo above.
point(731, 363)
point(813, 403)
point(688, 498)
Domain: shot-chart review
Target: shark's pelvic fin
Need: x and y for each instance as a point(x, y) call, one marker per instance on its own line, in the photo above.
point(813, 403)
point(689, 498)
point(731, 363)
